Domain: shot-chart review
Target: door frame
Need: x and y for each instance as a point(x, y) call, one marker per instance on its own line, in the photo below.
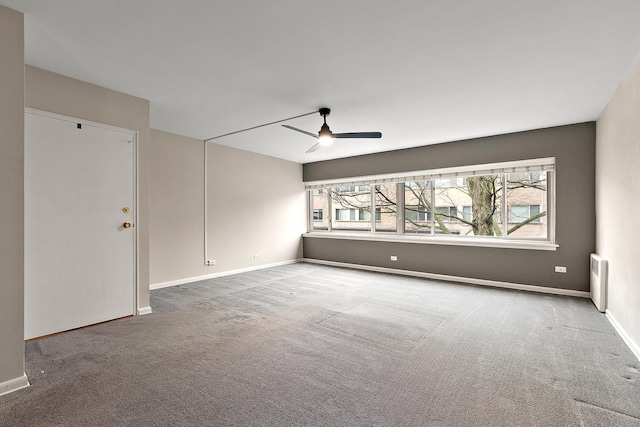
point(134, 134)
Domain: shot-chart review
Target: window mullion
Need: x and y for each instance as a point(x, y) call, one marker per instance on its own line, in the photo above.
point(309, 210)
point(400, 208)
point(551, 206)
point(504, 213)
point(372, 194)
point(432, 195)
point(330, 208)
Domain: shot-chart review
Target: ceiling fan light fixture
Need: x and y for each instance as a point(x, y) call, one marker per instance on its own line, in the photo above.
point(325, 136)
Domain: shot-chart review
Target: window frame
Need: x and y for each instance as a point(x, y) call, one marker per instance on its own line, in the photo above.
point(531, 167)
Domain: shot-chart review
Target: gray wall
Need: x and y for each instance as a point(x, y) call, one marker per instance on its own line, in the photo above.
point(574, 149)
point(618, 197)
point(255, 206)
point(63, 95)
point(11, 196)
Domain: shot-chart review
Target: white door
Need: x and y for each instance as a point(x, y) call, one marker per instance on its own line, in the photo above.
point(79, 200)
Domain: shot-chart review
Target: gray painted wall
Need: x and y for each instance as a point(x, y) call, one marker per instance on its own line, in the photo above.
point(255, 206)
point(11, 195)
point(574, 149)
point(618, 192)
point(63, 95)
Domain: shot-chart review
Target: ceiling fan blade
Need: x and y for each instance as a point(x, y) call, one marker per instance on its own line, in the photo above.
point(314, 148)
point(358, 135)
point(301, 131)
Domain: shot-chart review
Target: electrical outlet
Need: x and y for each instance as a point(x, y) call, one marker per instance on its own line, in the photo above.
point(256, 256)
point(560, 269)
point(394, 258)
point(211, 262)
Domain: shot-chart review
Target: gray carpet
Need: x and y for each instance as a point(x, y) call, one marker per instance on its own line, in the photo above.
point(309, 345)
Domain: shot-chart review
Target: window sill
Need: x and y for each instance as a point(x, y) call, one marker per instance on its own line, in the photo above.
point(450, 241)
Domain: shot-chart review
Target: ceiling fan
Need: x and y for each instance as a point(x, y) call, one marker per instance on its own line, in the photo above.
point(326, 137)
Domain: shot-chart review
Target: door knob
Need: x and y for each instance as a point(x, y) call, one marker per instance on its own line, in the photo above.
point(127, 225)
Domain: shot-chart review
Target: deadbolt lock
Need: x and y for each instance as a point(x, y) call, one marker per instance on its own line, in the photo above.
point(127, 225)
point(126, 210)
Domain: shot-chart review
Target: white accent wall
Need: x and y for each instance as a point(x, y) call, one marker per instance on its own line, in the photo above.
point(255, 206)
point(618, 204)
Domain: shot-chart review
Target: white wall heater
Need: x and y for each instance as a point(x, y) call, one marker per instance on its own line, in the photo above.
point(599, 282)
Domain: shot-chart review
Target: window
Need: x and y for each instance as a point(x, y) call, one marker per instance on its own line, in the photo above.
point(352, 208)
point(527, 205)
point(466, 213)
point(386, 204)
point(482, 194)
point(319, 201)
point(448, 213)
point(353, 189)
point(450, 182)
point(347, 214)
point(355, 215)
point(417, 207)
point(497, 201)
point(526, 176)
point(521, 213)
point(417, 213)
point(350, 189)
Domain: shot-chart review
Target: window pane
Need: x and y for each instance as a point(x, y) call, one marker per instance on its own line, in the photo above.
point(534, 210)
point(527, 204)
point(468, 206)
point(417, 202)
point(518, 214)
point(320, 206)
point(342, 214)
point(386, 208)
point(466, 213)
point(352, 208)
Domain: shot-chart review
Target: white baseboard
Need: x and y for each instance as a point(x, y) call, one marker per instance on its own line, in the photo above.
point(633, 346)
point(144, 310)
point(154, 286)
point(470, 280)
point(14, 384)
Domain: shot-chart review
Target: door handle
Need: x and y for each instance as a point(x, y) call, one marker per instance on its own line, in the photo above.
point(127, 225)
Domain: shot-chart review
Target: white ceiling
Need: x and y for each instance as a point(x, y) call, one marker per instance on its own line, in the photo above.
point(420, 72)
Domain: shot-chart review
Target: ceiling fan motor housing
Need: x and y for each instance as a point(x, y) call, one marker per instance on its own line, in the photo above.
point(325, 136)
point(325, 131)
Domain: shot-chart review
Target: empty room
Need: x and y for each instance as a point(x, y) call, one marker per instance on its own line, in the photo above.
point(362, 213)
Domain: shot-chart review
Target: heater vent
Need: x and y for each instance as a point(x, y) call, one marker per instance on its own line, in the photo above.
point(599, 282)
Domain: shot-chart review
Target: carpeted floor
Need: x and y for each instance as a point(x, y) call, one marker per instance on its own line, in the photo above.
point(310, 345)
